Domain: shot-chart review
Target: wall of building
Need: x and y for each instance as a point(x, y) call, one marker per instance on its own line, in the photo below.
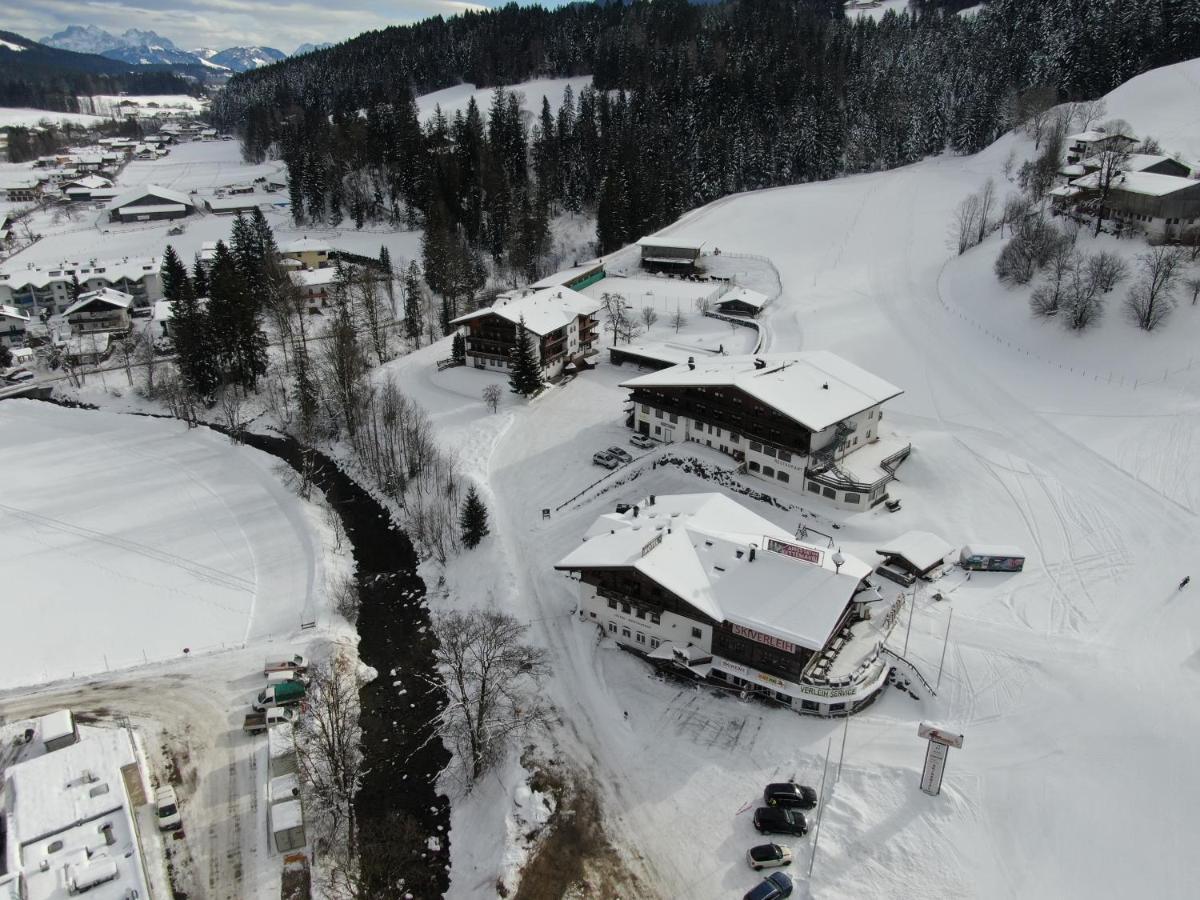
point(641, 634)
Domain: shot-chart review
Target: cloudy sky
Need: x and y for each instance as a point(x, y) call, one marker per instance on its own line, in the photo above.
point(284, 24)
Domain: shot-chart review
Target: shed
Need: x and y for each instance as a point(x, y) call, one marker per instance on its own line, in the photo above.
point(992, 558)
point(58, 730)
point(287, 826)
point(919, 553)
point(742, 302)
point(669, 254)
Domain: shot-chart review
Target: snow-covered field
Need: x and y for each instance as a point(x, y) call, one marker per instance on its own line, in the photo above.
point(455, 99)
point(127, 539)
point(1074, 681)
point(14, 116)
point(107, 104)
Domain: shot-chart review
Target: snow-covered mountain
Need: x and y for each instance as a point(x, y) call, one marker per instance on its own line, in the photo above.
point(309, 48)
point(83, 39)
point(243, 59)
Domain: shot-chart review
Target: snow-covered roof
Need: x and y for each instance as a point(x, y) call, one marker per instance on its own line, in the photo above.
point(922, 549)
point(150, 190)
point(283, 787)
point(89, 182)
point(815, 388)
point(163, 311)
point(150, 209)
point(1073, 171)
point(313, 277)
point(55, 725)
point(1065, 190)
point(544, 311)
point(286, 815)
point(12, 312)
point(1138, 162)
point(1093, 135)
point(104, 295)
point(238, 201)
point(697, 546)
point(566, 275)
point(304, 245)
point(22, 184)
point(744, 295)
point(1148, 184)
point(129, 268)
point(673, 243)
point(664, 351)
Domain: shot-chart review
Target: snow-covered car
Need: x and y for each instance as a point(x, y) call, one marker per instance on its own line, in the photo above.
point(164, 345)
point(773, 887)
point(607, 460)
point(776, 820)
point(790, 794)
point(619, 454)
point(166, 806)
point(640, 440)
point(18, 376)
point(294, 663)
point(768, 856)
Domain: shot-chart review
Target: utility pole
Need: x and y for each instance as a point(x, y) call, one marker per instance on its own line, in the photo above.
point(842, 755)
point(911, 611)
point(820, 812)
point(945, 642)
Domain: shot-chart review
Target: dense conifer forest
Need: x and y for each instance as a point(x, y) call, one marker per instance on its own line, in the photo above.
point(688, 103)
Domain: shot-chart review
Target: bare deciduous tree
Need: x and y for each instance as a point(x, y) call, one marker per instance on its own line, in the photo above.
point(1110, 161)
point(1106, 269)
point(1033, 111)
point(491, 678)
point(1087, 112)
point(649, 316)
point(965, 223)
point(491, 396)
point(1016, 208)
point(678, 320)
point(987, 200)
point(1047, 298)
point(230, 403)
point(617, 318)
point(1193, 285)
point(1151, 300)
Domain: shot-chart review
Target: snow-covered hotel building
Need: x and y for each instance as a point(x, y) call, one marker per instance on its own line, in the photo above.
point(699, 583)
point(560, 322)
point(809, 421)
point(36, 288)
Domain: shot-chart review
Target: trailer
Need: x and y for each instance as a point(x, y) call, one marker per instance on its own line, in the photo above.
point(992, 558)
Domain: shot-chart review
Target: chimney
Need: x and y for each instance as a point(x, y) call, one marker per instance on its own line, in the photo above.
point(691, 362)
point(635, 512)
point(760, 364)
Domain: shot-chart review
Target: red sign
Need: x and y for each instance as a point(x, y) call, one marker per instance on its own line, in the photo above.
point(795, 551)
point(769, 640)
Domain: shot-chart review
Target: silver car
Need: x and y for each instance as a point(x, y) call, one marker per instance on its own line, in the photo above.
point(619, 454)
point(607, 460)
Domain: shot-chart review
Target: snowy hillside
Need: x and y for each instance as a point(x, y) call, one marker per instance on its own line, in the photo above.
point(456, 99)
point(16, 116)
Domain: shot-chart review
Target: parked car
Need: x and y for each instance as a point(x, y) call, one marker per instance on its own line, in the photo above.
point(891, 573)
point(790, 794)
point(619, 454)
point(19, 375)
point(640, 440)
point(284, 677)
point(774, 886)
point(258, 722)
point(295, 663)
point(166, 806)
point(287, 694)
point(164, 344)
point(777, 820)
point(767, 856)
point(601, 458)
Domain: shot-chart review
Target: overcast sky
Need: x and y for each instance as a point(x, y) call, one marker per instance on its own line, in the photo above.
point(284, 24)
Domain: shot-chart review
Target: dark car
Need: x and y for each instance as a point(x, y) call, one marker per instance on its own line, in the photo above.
point(790, 794)
point(775, 885)
point(776, 820)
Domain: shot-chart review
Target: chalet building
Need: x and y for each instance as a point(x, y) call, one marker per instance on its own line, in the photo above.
point(84, 189)
point(234, 203)
point(1088, 143)
point(561, 322)
point(13, 323)
point(50, 288)
point(741, 302)
point(1158, 205)
point(664, 254)
point(27, 190)
point(309, 253)
point(808, 420)
point(150, 204)
point(315, 284)
point(699, 583)
point(103, 310)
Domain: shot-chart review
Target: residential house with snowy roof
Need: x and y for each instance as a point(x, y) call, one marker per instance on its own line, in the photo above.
point(13, 323)
point(22, 190)
point(560, 322)
point(699, 583)
point(150, 203)
point(308, 252)
point(1158, 205)
point(35, 289)
point(808, 421)
point(85, 188)
point(1096, 140)
point(101, 310)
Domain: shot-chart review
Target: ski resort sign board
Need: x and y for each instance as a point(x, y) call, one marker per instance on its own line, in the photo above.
point(795, 551)
point(938, 748)
point(937, 734)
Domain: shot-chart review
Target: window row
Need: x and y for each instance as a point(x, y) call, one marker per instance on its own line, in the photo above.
point(642, 613)
point(849, 497)
point(769, 472)
point(638, 636)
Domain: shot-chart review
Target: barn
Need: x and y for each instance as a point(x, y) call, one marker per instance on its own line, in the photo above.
point(150, 203)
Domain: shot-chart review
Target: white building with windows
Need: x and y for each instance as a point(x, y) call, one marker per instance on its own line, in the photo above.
point(808, 420)
point(33, 289)
point(699, 583)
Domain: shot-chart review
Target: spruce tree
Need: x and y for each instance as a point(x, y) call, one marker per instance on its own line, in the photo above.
point(174, 274)
point(526, 376)
point(458, 349)
point(76, 287)
point(413, 319)
point(473, 520)
point(196, 354)
point(199, 279)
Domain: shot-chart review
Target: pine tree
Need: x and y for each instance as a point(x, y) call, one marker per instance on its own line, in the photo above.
point(76, 287)
point(458, 349)
point(389, 277)
point(526, 376)
point(473, 520)
point(199, 279)
point(174, 274)
point(196, 354)
point(413, 321)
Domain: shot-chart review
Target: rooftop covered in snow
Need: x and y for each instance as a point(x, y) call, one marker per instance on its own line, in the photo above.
point(172, 198)
point(1149, 184)
point(544, 311)
point(129, 268)
point(103, 296)
point(698, 546)
point(922, 550)
point(815, 388)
